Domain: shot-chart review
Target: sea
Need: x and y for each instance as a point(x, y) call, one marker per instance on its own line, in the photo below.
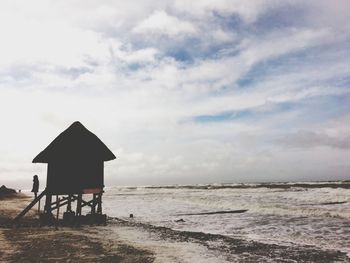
point(313, 214)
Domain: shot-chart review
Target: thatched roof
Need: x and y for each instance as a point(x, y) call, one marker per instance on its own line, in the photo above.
point(76, 143)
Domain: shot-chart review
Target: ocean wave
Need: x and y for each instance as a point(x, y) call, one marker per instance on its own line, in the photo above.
point(316, 216)
point(287, 186)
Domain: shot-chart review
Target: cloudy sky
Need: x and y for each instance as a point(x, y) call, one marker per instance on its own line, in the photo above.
point(181, 91)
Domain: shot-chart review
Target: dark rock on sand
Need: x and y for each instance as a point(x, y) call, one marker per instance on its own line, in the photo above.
point(4, 191)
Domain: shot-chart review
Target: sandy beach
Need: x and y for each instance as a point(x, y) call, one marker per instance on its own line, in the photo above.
point(131, 241)
point(31, 243)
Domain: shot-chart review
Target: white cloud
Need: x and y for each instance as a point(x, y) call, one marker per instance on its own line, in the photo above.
point(161, 23)
point(281, 43)
point(140, 56)
point(50, 42)
point(108, 64)
point(248, 10)
point(222, 36)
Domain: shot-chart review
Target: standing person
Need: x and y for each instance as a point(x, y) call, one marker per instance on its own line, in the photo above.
point(35, 188)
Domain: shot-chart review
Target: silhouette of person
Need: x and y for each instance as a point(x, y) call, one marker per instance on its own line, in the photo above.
point(35, 188)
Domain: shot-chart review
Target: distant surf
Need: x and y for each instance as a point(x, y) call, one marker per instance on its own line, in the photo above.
point(282, 185)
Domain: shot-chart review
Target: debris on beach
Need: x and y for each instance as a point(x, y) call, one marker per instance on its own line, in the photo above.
point(216, 212)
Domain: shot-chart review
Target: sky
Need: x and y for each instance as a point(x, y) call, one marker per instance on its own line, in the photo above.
point(182, 92)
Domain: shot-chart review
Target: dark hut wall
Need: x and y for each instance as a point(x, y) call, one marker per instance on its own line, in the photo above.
point(68, 177)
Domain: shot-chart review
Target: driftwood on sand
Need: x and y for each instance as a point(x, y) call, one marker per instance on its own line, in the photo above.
point(216, 212)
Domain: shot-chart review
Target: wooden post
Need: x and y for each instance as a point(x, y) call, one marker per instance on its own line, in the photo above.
point(99, 203)
point(78, 213)
point(39, 207)
point(58, 210)
point(47, 208)
point(93, 206)
point(69, 205)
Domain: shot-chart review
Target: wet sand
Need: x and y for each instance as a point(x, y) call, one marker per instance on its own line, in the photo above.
point(241, 250)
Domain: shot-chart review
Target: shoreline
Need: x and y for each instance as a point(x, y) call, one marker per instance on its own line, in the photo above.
point(131, 241)
point(243, 250)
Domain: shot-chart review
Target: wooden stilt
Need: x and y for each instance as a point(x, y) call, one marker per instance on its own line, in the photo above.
point(48, 200)
point(93, 206)
point(69, 205)
point(78, 212)
point(49, 218)
point(99, 203)
point(58, 210)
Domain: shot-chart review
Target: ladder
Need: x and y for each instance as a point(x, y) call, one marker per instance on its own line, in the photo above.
point(25, 210)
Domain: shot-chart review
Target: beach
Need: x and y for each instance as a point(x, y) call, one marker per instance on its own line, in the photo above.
point(156, 234)
point(30, 243)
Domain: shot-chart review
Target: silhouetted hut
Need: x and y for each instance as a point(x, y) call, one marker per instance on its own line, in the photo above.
point(75, 167)
point(75, 161)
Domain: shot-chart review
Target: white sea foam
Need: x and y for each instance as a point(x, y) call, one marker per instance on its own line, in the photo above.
point(296, 215)
point(165, 251)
